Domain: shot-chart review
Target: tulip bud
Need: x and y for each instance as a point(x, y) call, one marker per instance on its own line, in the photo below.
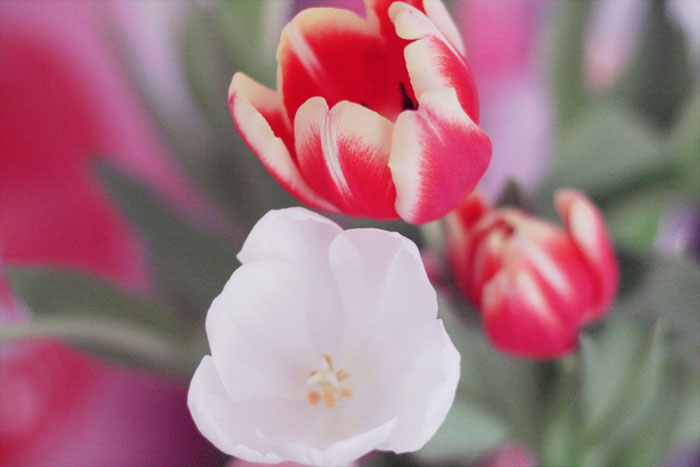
point(535, 284)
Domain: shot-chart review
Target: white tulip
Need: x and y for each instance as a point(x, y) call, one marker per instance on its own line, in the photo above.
point(325, 345)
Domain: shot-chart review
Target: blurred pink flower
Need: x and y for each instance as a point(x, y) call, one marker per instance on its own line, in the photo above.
point(609, 42)
point(65, 101)
point(501, 38)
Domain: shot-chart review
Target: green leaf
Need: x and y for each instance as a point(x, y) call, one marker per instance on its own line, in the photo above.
point(118, 339)
point(669, 291)
point(684, 143)
point(633, 218)
point(619, 391)
point(605, 362)
point(606, 151)
point(191, 265)
point(94, 315)
point(565, 52)
point(500, 385)
point(467, 433)
point(251, 30)
point(660, 77)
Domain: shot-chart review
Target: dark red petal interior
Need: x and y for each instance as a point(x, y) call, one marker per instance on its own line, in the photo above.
point(353, 64)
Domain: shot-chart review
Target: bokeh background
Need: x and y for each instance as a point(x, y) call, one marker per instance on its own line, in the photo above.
point(125, 193)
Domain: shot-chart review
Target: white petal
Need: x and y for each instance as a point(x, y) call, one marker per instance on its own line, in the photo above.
point(389, 304)
point(235, 427)
point(301, 238)
point(421, 395)
point(340, 452)
point(259, 332)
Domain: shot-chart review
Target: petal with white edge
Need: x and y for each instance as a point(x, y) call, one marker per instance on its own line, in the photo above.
point(587, 229)
point(432, 61)
point(437, 157)
point(258, 114)
point(519, 319)
point(259, 332)
point(343, 154)
point(335, 54)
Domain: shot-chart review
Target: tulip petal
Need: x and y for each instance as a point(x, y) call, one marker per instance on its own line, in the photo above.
point(237, 428)
point(260, 119)
point(437, 157)
point(337, 55)
point(382, 281)
point(302, 238)
point(258, 326)
point(378, 13)
point(431, 60)
point(337, 453)
point(422, 394)
point(343, 154)
point(519, 319)
point(587, 230)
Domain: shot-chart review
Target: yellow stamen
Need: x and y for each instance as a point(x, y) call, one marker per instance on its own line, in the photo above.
point(326, 386)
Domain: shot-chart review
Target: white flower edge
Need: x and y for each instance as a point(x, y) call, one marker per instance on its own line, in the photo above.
point(403, 410)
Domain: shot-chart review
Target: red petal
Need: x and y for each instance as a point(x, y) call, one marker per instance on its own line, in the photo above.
point(437, 157)
point(586, 228)
point(432, 60)
point(260, 119)
point(337, 55)
point(343, 154)
point(519, 319)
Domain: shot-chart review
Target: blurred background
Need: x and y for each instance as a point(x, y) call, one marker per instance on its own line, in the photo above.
point(126, 192)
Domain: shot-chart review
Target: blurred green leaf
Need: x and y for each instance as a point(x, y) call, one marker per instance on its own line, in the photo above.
point(251, 30)
point(655, 435)
point(660, 77)
point(613, 414)
point(49, 291)
point(684, 143)
point(191, 265)
point(669, 291)
point(117, 339)
point(565, 52)
point(504, 387)
point(208, 65)
point(634, 217)
point(607, 150)
point(467, 433)
point(605, 362)
point(97, 317)
point(226, 168)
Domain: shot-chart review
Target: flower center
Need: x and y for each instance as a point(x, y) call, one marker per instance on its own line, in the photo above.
point(326, 386)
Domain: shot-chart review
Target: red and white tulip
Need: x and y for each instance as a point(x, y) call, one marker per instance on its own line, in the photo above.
point(535, 284)
point(372, 117)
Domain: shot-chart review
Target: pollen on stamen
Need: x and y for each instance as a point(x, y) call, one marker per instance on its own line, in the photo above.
point(313, 397)
point(328, 360)
point(342, 375)
point(346, 393)
point(328, 397)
